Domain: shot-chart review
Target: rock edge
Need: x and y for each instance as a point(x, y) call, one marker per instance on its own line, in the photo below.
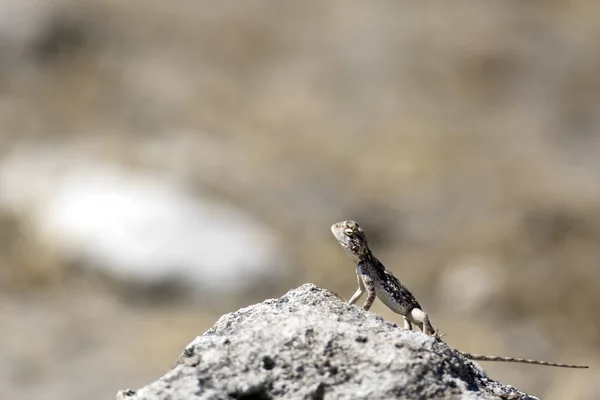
point(309, 344)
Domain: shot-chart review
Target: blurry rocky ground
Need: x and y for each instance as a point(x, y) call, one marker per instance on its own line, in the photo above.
point(164, 162)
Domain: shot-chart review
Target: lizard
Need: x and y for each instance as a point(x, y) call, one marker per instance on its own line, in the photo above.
point(377, 281)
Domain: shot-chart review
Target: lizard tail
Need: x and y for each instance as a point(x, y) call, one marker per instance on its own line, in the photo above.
point(478, 357)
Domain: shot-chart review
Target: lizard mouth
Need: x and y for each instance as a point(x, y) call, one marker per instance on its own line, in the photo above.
point(337, 231)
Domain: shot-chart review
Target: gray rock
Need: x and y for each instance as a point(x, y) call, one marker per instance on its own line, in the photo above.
point(309, 344)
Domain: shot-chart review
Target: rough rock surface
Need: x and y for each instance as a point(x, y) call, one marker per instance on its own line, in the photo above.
point(309, 344)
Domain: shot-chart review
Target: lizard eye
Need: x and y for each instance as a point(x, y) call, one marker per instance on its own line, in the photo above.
point(349, 232)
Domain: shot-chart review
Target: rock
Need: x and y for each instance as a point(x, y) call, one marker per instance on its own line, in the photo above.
point(143, 229)
point(309, 344)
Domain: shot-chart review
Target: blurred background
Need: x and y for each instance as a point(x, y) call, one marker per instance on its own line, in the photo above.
point(162, 163)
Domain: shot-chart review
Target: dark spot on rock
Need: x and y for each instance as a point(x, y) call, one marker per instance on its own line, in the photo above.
point(188, 352)
point(319, 392)
point(205, 381)
point(361, 339)
point(256, 392)
point(329, 350)
point(268, 363)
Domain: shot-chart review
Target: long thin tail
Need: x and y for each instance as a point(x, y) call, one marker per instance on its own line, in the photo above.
point(478, 357)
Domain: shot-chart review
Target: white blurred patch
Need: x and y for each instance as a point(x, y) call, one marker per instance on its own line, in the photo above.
point(135, 226)
point(469, 285)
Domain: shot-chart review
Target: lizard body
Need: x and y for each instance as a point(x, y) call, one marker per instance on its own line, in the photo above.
point(377, 281)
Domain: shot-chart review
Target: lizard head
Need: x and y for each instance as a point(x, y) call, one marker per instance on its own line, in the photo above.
point(352, 238)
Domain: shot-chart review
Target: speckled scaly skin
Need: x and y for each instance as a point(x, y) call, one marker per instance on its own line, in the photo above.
point(373, 277)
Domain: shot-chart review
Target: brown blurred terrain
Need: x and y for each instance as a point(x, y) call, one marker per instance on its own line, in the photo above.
point(464, 138)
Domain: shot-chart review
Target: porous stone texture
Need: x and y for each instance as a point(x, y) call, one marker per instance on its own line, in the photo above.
point(309, 344)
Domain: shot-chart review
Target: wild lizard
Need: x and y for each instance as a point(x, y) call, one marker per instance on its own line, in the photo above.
point(373, 277)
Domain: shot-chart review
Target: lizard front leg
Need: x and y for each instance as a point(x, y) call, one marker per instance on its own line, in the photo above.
point(359, 291)
point(370, 286)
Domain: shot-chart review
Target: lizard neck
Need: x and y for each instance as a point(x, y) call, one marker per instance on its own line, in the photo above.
point(364, 255)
